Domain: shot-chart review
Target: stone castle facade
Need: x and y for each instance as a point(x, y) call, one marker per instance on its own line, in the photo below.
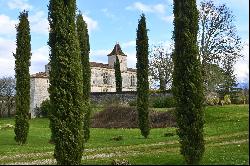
point(102, 79)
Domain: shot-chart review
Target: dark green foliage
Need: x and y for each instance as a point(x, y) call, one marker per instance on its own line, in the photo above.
point(118, 76)
point(142, 76)
point(83, 37)
point(66, 83)
point(132, 102)
point(22, 64)
point(117, 138)
point(45, 108)
point(163, 102)
point(229, 77)
point(187, 81)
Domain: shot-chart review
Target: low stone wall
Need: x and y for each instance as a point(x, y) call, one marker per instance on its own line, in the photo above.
point(122, 97)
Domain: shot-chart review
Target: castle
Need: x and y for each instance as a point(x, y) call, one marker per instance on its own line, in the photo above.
point(102, 79)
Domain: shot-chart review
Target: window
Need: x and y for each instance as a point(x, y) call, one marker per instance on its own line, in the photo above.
point(105, 78)
point(132, 80)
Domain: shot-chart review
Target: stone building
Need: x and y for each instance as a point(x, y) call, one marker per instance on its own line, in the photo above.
point(102, 78)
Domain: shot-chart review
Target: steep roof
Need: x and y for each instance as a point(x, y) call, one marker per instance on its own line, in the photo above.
point(117, 50)
point(131, 69)
point(95, 64)
point(40, 75)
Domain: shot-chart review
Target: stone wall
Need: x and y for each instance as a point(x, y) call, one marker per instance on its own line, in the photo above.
point(124, 97)
point(99, 85)
point(38, 93)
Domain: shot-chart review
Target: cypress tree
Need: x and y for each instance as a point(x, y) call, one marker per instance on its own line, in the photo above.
point(22, 64)
point(66, 88)
point(142, 76)
point(83, 38)
point(187, 81)
point(118, 76)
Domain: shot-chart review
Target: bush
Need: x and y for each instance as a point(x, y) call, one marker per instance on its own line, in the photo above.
point(239, 99)
point(212, 101)
point(169, 134)
point(44, 108)
point(127, 117)
point(236, 100)
point(163, 102)
point(227, 99)
point(132, 102)
point(222, 102)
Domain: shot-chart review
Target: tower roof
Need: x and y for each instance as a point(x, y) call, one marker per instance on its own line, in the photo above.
point(117, 51)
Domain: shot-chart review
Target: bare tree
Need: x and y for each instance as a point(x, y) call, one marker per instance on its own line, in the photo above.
point(218, 39)
point(161, 66)
point(7, 92)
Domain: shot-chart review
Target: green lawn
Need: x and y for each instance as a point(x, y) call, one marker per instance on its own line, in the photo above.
point(226, 135)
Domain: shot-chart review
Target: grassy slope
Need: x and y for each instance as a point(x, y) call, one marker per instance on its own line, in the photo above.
point(226, 134)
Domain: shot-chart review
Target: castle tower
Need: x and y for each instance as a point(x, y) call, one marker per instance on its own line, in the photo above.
point(117, 51)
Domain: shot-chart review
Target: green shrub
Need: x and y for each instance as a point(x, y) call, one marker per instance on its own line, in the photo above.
point(216, 100)
point(132, 103)
point(222, 102)
point(163, 102)
point(236, 100)
point(210, 101)
point(168, 134)
point(44, 108)
point(227, 99)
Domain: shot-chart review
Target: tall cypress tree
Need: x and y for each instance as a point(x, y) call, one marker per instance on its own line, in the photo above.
point(22, 64)
point(142, 76)
point(66, 88)
point(118, 76)
point(187, 81)
point(83, 38)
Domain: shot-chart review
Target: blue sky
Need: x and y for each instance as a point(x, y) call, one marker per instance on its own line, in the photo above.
point(109, 21)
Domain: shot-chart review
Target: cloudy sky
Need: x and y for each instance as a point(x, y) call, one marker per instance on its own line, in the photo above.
point(109, 21)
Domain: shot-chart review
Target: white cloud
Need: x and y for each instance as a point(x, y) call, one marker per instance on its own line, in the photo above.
point(7, 25)
point(19, 4)
point(131, 43)
point(158, 8)
point(99, 56)
point(39, 58)
point(168, 18)
point(99, 52)
point(39, 23)
point(242, 66)
point(108, 14)
point(139, 6)
point(131, 59)
point(92, 24)
point(7, 61)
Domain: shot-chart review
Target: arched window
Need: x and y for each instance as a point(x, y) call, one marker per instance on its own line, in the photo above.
point(105, 78)
point(132, 80)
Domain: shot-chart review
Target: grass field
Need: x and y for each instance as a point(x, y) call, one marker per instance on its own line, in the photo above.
point(226, 134)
